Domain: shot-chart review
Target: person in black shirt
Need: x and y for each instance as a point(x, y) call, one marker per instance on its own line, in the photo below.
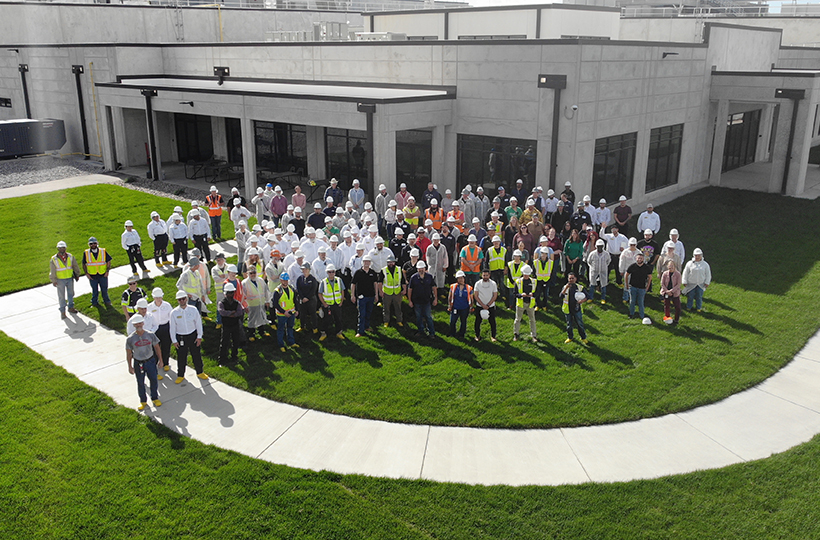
point(569, 193)
point(317, 218)
point(298, 223)
point(573, 312)
point(651, 252)
point(502, 215)
point(397, 244)
point(232, 314)
point(637, 280)
point(307, 290)
point(421, 291)
point(363, 290)
point(580, 217)
point(130, 297)
point(559, 217)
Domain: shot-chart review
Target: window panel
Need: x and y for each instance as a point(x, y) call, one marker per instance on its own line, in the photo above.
point(664, 157)
point(613, 166)
point(495, 161)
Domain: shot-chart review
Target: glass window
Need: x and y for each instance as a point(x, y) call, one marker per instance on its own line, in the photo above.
point(494, 161)
point(414, 159)
point(664, 157)
point(281, 147)
point(613, 166)
point(346, 155)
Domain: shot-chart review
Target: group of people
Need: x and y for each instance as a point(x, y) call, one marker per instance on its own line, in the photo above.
point(474, 254)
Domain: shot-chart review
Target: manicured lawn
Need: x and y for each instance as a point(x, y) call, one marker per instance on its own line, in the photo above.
point(32, 226)
point(75, 465)
point(758, 314)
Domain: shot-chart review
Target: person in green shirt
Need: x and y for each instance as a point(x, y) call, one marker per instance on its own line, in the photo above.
point(573, 252)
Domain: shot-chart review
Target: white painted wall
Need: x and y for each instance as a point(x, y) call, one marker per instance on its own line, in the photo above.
point(493, 23)
point(419, 24)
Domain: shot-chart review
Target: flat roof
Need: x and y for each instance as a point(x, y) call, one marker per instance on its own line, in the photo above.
point(322, 91)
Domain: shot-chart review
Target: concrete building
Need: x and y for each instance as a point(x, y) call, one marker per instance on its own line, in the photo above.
point(646, 119)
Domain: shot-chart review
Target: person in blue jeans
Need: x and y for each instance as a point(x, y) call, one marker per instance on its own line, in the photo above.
point(141, 352)
point(96, 265)
point(572, 307)
point(363, 289)
point(421, 292)
point(637, 280)
point(284, 301)
point(459, 304)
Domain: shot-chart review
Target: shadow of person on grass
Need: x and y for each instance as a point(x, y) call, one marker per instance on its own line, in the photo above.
point(734, 323)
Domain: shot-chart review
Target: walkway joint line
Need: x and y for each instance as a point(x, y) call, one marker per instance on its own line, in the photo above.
point(281, 434)
point(564, 435)
point(741, 458)
point(424, 454)
point(790, 401)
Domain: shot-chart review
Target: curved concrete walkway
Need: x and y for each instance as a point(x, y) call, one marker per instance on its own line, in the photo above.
point(781, 412)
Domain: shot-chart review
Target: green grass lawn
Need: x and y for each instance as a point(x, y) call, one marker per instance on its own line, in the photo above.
point(73, 215)
point(759, 313)
point(75, 465)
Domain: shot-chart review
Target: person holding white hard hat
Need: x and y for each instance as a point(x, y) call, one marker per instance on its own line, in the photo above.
point(485, 293)
point(132, 245)
point(638, 280)
point(459, 304)
point(142, 354)
point(186, 333)
point(525, 303)
point(574, 297)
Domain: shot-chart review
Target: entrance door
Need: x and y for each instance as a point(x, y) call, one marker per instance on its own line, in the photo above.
point(194, 138)
point(414, 159)
point(741, 139)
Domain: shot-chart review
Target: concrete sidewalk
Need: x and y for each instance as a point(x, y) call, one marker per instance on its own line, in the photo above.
point(55, 185)
point(781, 412)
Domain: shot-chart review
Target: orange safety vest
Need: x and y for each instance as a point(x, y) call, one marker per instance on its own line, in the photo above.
point(459, 219)
point(436, 217)
point(469, 263)
point(214, 204)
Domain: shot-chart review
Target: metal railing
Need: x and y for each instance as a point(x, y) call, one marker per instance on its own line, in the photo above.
point(794, 10)
point(355, 6)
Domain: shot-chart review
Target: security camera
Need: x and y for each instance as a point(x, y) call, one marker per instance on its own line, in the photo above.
point(575, 107)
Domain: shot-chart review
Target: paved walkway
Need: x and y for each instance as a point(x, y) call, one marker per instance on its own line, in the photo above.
point(54, 185)
point(781, 412)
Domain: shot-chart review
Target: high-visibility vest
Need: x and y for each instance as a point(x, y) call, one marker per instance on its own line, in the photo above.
point(259, 267)
point(333, 291)
point(519, 284)
point(214, 205)
point(392, 280)
point(469, 263)
point(565, 307)
point(95, 266)
point(286, 298)
point(193, 287)
point(64, 271)
point(414, 221)
point(459, 217)
point(497, 258)
point(454, 288)
point(494, 228)
point(543, 269)
point(514, 273)
point(223, 275)
point(436, 217)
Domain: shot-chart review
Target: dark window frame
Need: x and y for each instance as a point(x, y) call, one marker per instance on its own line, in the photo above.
point(609, 178)
point(516, 159)
point(663, 161)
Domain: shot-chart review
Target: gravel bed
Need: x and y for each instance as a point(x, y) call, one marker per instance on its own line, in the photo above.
point(164, 189)
point(26, 171)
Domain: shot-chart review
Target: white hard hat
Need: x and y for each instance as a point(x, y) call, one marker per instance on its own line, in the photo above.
point(421, 264)
point(476, 220)
point(347, 234)
point(136, 319)
point(496, 238)
point(414, 253)
point(213, 188)
point(277, 189)
point(229, 287)
point(633, 241)
point(317, 206)
point(472, 238)
point(580, 297)
point(142, 303)
point(128, 223)
point(399, 231)
point(330, 268)
point(154, 214)
point(368, 206)
point(181, 294)
point(428, 222)
point(334, 238)
point(527, 270)
point(299, 254)
point(291, 227)
point(599, 242)
point(530, 202)
point(61, 244)
point(647, 321)
point(157, 293)
point(697, 251)
point(379, 240)
point(674, 231)
point(485, 314)
point(517, 253)
point(460, 273)
point(514, 199)
point(567, 183)
point(446, 191)
point(402, 185)
point(382, 187)
point(329, 199)
point(649, 231)
point(232, 268)
point(322, 249)
point(259, 191)
point(436, 236)
point(456, 203)
point(194, 203)
point(252, 251)
point(359, 246)
point(622, 198)
point(297, 209)
point(434, 201)
point(373, 228)
point(392, 203)
point(237, 201)
point(356, 182)
point(543, 239)
point(602, 201)
point(411, 236)
point(367, 258)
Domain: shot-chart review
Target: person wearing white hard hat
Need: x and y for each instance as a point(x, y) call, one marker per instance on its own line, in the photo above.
point(525, 303)
point(142, 310)
point(231, 313)
point(330, 207)
point(243, 236)
point(428, 195)
point(477, 231)
point(142, 353)
point(680, 250)
point(543, 264)
point(622, 214)
point(278, 206)
point(637, 280)
point(671, 281)
point(333, 191)
point(158, 233)
point(389, 217)
point(580, 218)
point(356, 195)
point(434, 214)
point(519, 192)
point(192, 283)
point(132, 245)
point(178, 234)
point(573, 297)
point(96, 265)
point(485, 293)
point(298, 222)
point(628, 257)
point(649, 220)
point(530, 212)
point(668, 255)
point(514, 210)
point(412, 212)
point(650, 248)
point(130, 296)
point(63, 272)
point(446, 202)
point(400, 223)
point(370, 215)
point(378, 254)
point(616, 243)
point(402, 196)
point(391, 290)
point(239, 213)
point(186, 333)
point(259, 205)
point(290, 213)
point(256, 299)
point(550, 205)
point(385, 209)
point(459, 304)
point(467, 206)
point(309, 245)
point(160, 311)
point(363, 289)
point(697, 276)
point(421, 292)
point(317, 218)
point(196, 209)
point(602, 216)
point(598, 261)
point(438, 260)
point(568, 193)
point(482, 203)
point(236, 195)
point(319, 265)
point(514, 271)
point(200, 233)
point(331, 296)
point(471, 257)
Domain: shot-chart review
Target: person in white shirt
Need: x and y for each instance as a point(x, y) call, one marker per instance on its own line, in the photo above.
point(309, 246)
point(170, 220)
point(616, 243)
point(239, 213)
point(196, 209)
point(178, 234)
point(369, 214)
point(446, 202)
point(258, 204)
point(295, 268)
point(381, 207)
point(680, 250)
point(335, 254)
point(551, 204)
point(485, 293)
point(199, 231)
point(369, 241)
point(319, 266)
point(355, 262)
point(649, 220)
point(379, 255)
point(242, 236)
point(219, 274)
point(602, 217)
point(158, 233)
point(132, 245)
point(697, 276)
point(186, 332)
point(356, 196)
point(289, 256)
point(628, 258)
point(160, 312)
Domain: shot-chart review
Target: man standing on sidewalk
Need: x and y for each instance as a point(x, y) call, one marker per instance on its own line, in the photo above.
point(96, 265)
point(63, 272)
point(215, 204)
point(186, 331)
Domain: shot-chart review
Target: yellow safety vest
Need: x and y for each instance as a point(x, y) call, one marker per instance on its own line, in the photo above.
point(193, 287)
point(565, 307)
point(543, 270)
point(333, 291)
point(414, 221)
point(497, 258)
point(95, 265)
point(519, 283)
point(514, 273)
point(64, 271)
point(392, 281)
point(286, 298)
